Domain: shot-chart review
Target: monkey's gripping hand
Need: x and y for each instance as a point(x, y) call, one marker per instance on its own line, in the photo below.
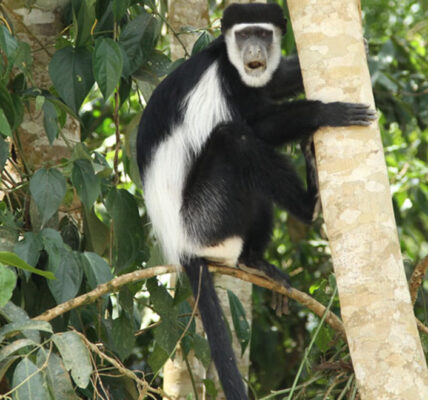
point(346, 114)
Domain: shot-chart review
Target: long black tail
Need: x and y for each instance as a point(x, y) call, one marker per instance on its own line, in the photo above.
point(215, 328)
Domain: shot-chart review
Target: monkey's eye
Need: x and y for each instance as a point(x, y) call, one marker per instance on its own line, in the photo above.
point(242, 35)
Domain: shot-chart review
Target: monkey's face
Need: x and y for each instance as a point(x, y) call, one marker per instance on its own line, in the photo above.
point(254, 50)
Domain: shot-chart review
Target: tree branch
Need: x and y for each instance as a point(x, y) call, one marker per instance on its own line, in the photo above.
point(415, 280)
point(116, 283)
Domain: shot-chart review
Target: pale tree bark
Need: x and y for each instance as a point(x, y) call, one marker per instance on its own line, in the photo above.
point(375, 303)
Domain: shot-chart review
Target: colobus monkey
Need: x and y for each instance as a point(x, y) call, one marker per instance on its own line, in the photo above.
point(207, 157)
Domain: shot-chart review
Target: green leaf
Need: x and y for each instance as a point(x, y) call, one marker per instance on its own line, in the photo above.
point(203, 41)
point(20, 326)
point(29, 382)
point(4, 152)
point(240, 323)
point(159, 63)
point(58, 379)
point(29, 248)
point(7, 42)
point(75, 356)
point(83, 20)
point(5, 128)
point(8, 258)
point(119, 8)
point(15, 346)
point(7, 284)
point(71, 72)
point(47, 186)
point(69, 274)
point(129, 245)
point(53, 245)
point(97, 233)
point(13, 313)
point(162, 301)
point(96, 269)
point(107, 62)
point(157, 358)
point(22, 58)
point(202, 350)
point(324, 339)
point(167, 335)
point(123, 338)
point(210, 388)
point(50, 121)
point(138, 39)
point(86, 182)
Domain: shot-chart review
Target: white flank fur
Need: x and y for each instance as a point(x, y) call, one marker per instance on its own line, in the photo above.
point(205, 107)
point(235, 54)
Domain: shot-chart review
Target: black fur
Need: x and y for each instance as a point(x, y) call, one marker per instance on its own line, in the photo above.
point(234, 180)
point(217, 333)
point(256, 13)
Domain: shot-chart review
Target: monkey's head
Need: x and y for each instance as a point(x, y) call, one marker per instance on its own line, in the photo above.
point(253, 40)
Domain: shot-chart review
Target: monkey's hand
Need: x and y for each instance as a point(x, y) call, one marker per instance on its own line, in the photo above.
point(346, 114)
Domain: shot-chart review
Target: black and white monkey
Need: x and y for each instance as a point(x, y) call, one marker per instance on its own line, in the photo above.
point(208, 160)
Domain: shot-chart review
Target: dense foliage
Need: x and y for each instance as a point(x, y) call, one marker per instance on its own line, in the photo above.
point(104, 67)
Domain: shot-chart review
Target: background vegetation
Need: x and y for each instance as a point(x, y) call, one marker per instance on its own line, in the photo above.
point(118, 50)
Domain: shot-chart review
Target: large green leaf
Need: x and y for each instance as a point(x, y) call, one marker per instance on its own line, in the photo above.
point(85, 181)
point(8, 258)
point(107, 62)
point(71, 72)
point(138, 39)
point(96, 269)
point(29, 382)
point(75, 356)
point(240, 323)
point(7, 284)
point(69, 274)
point(47, 186)
point(58, 379)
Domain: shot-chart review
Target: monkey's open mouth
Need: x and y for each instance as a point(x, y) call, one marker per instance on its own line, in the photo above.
point(254, 66)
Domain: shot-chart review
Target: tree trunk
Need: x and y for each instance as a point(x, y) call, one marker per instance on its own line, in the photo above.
point(375, 303)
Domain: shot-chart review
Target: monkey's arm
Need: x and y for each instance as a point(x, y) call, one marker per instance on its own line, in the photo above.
point(286, 80)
